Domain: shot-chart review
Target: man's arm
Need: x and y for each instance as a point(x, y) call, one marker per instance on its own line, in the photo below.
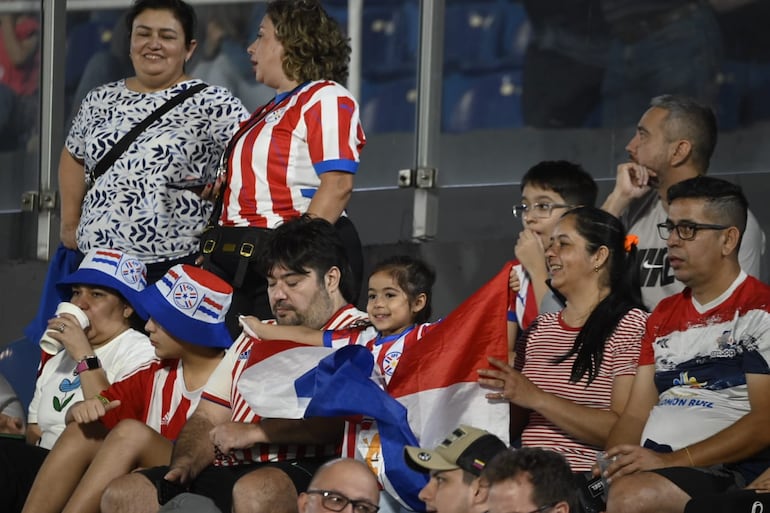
point(72, 190)
point(239, 435)
point(628, 429)
point(632, 181)
point(746, 437)
point(193, 450)
point(752, 247)
point(315, 430)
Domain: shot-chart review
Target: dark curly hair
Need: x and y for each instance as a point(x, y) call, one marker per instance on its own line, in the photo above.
point(305, 244)
point(313, 43)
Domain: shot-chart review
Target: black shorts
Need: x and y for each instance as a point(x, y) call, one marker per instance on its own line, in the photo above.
point(699, 481)
point(217, 483)
point(738, 501)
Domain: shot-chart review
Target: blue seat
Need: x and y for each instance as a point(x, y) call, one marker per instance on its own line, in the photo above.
point(483, 102)
point(517, 32)
point(83, 41)
point(18, 364)
point(389, 106)
point(337, 9)
point(744, 94)
point(473, 35)
point(386, 41)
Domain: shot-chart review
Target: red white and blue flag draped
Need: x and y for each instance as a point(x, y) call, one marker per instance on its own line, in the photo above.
point(433, 390)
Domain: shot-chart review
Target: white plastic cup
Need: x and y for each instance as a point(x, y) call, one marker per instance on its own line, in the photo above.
point(603, 461)
point(53, 346)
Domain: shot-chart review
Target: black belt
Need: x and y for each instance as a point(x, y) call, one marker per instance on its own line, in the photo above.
point(632, 29)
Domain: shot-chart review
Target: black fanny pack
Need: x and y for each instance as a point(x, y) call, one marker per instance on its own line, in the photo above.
point(229, 251)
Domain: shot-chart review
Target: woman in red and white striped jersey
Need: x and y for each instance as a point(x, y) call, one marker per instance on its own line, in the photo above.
point(297, 154)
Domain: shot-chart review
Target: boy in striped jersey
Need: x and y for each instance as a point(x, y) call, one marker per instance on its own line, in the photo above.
point(134, 422)
point(226, 451)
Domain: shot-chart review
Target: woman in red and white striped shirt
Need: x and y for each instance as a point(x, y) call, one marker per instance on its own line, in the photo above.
point(296, 155)
point(577, 365)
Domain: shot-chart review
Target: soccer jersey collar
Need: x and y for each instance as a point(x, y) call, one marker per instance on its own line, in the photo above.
point(282, 96)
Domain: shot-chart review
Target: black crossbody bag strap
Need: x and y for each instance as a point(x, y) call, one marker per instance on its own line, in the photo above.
point(122, 145)
point(258, 116)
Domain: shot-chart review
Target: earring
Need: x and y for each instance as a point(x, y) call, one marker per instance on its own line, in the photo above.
point(596, 268)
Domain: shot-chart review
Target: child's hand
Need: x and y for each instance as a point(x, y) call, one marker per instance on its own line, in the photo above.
point(513, 280)
point(530, 251)
point(251, 325)
point(90, 410)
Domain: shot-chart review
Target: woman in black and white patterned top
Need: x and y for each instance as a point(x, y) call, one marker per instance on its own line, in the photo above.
point(129, 207)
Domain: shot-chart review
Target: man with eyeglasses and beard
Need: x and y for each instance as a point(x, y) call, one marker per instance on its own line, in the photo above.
point(697, 419)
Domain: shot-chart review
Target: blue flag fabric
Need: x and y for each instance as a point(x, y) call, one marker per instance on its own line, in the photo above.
point(64, 262)
point(342, 385)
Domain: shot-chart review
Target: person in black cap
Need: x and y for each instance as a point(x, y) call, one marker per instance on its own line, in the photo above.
point(455, 466)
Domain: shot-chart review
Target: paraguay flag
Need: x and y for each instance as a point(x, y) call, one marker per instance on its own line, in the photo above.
point(433, 389)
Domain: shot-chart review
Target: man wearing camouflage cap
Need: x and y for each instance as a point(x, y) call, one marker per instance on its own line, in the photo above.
point(455, 466)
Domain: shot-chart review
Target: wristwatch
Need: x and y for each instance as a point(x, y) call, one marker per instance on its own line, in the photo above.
point(89, 362)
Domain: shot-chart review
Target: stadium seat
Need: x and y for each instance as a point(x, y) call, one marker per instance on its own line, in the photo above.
point(18, 364)
point(389, 106)
point(483, 102)
point(384, 41)
point(338, 9)
point(473, 35)
point(517, 31)
point(83, 41)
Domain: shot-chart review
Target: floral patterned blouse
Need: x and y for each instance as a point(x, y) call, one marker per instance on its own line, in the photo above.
point(129, 207)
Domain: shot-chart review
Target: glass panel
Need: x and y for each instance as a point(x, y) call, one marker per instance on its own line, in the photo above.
point(20, 23)
point(388, 96)
point(527, 80)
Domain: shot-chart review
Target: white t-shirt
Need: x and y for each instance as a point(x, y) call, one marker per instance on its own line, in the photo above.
point(57, 388)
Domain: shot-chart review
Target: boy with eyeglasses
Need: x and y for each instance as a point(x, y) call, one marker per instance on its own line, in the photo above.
point(529, 480)
point(548, 190)
point(697, 417)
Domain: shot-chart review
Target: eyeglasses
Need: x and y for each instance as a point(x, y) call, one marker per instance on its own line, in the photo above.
point(685, 230)
point(538, 210)
point(543, 508)
point(334, 501)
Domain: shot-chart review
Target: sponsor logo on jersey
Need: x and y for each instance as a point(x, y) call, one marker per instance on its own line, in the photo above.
point(390, 362)
point(654, 270)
